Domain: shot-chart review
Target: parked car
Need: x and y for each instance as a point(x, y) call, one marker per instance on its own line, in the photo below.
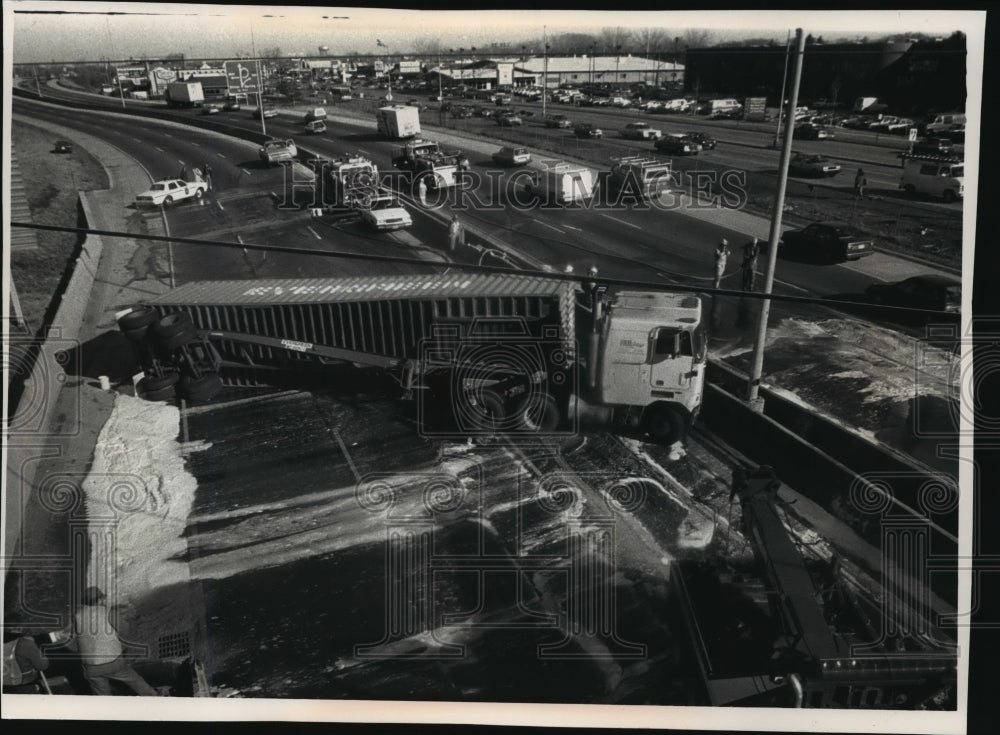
point(557, 121)
point(269, 112)
point(809, 165)
point(706, 141)
point(830, 242)
point(677, 144)
point(170, 191)
point(856, 122)
point(809, 131)
point(935, 292)
point(587, 130)
point(512, 156)
point(63, 146)
point(640, 131)
point(509, 121)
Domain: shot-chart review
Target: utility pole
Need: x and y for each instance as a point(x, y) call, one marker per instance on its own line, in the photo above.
point(757, 365)
point(545, 67)
point(781, 102)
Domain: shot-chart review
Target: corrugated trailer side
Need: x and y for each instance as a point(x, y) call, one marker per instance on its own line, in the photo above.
point(383, 317)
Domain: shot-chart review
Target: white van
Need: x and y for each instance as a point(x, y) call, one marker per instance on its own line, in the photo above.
point(316, 126)
point(942, 124)
point(934, 175)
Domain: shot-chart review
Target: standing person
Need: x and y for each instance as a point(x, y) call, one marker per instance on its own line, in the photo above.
point(101, 650)
point(860, 182)
point(751, 251)
point(422, 191)
point(721, 257)
point(456, 233)
point(23, 664)
point(183, 175)
point(209, 177)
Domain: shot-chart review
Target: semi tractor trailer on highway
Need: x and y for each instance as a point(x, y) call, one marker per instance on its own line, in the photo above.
point(481, 354)
point(398, 121)
point(184, 94)
point(424, 159)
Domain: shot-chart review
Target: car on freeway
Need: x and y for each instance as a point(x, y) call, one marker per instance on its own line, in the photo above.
point(706, 141)
point(587, 130)
point(269, 112)
point(231, 106)
point(509, 121)
point(512, 156)
point(901, 126)
point(810, 131)
point(933, 146)
point(385, 214)
point(211, 110)
point(640, 131)
point(931, 291)
point(170, 191)
point(63, 146)
point(726, 114)
point(678, 144)
point(856, 122)
point(803, 164)
point(558, 121)
point(620, 102)
point(827, 241)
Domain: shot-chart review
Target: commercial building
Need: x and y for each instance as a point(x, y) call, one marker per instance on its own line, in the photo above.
point(623, 69)
point(911, 77)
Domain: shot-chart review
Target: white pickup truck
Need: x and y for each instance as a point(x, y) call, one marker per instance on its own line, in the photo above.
point(641, 131)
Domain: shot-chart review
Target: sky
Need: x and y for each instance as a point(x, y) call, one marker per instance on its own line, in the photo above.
point(68, 31)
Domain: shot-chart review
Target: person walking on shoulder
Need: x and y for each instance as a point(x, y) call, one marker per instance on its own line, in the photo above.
point(722, 254)
point(422, 191)
point(100, 648)
point(23, 664)
point(860, 182)
point(456, 233)
point(751, 251)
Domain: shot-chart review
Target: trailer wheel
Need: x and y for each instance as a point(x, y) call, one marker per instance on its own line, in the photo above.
point(539, 413)
point(164, 394)
point(139, 317)
point(664, 424)
point(154, 383)
point(175, 330)
point(135, 335)
point(201, 389)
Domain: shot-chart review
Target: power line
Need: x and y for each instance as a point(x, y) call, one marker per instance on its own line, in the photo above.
point(398, 260)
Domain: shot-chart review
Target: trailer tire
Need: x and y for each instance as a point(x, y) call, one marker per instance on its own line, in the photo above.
point(664, 424)
point(154, 383)
point(164, 394)
point(135, 335)
point(201, 389)
point(539, 414)
point(139, 317)
point(174, 330)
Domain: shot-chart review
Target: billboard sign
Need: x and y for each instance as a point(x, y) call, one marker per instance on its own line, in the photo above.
point(409, 67)
point(242, 77)
point(755, 108)
point(505, 74)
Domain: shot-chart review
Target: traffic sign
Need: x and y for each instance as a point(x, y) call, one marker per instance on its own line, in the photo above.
point(913, 134)
point(242, 77)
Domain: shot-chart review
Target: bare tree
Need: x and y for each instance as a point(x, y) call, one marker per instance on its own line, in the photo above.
point(428, 46)
point(272, 52)
point(651, 40)
point(614, 40)
point(697, 38)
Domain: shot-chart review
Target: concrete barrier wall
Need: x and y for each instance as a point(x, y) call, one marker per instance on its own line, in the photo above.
point(862, 505)
point(29, 434)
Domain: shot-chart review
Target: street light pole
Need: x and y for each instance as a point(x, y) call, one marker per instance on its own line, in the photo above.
point(784, 78)
point(545, 68)
point(757, 365)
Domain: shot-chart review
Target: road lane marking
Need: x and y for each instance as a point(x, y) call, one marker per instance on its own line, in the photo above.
point(561, 232)
point(315, 234)
point(246, 172)
point(220, 155)
point(791, 285)
point(159, 149)
point(621, 221)
point(573, 228)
